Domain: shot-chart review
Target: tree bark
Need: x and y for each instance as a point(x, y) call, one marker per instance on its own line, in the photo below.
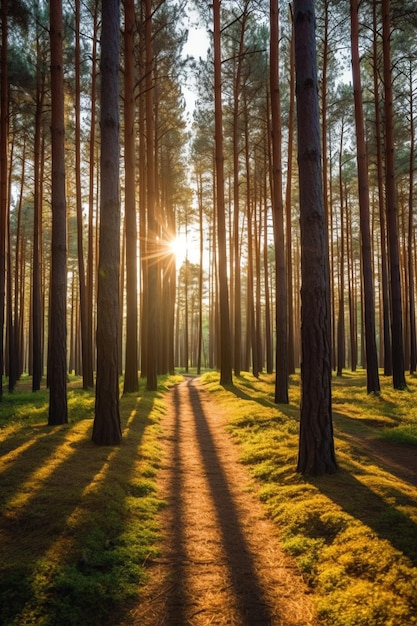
point(281, 358)
point(398, 376)
point(225, 340)
point(411, 232)
point(57, 361)
point(91, 200)
point(131, 380)
point(36, 360)
point(107, 428)
point(3, 179)
point(151, 240)
point(372, 376)
point(316, 447)
point(87, 366)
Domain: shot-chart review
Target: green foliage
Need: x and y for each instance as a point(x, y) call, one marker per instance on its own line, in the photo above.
point(79, 521)
point(353, 534)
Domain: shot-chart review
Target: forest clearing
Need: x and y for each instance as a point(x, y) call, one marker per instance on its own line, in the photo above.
point(101, 535)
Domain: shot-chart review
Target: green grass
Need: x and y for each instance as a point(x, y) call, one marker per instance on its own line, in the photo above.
point(78, 521)
point(354, 533)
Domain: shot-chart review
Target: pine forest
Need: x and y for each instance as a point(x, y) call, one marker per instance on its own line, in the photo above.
point(208, 209)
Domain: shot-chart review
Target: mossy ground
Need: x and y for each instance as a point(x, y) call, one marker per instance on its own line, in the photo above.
point(78, 521)
point(354, 533)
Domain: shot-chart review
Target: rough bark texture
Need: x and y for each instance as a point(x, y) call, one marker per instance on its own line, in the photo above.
point(316, 448)
point(86, 355)
point(362, 160)
point(398, 375)
point(57, 363)
point(131, 381)
point(281, 382)
point(225, 339)
point(107, 429)
point(3, 178)
point(151, 237)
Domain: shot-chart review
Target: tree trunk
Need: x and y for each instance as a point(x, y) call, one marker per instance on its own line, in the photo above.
point(87, 367)
point(340, 359)
point(36, 360)
point(373, 385)
point(288, 208)
point(281, 363)
point(107, 428)
point(131, 381)
point(91, 203)
point(410, 252)
point(57, 362)
point(237, 337)
point(398, 377)
point(200, 270)
point(225, 340)
point(3, 179)
point(316, 447)
point(386, 313)
point(151, 241)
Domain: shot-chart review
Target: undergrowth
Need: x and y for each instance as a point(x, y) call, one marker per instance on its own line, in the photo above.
point(78, 521)
point(354, 533)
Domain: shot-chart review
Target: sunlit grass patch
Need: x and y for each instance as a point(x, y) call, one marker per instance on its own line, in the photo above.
point(353, 534)
point(79, 520)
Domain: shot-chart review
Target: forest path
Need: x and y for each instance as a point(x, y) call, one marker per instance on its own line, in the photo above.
point(221, 560)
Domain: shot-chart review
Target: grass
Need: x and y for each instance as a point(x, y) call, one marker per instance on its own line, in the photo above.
point(353, 534)
point(78, 521)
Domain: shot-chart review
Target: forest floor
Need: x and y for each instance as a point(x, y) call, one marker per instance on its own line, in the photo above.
point(221, 560)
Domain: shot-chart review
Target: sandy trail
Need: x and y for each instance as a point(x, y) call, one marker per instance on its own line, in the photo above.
point(221, 558)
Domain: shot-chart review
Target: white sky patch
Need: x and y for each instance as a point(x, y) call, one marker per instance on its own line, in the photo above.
point(197, 45)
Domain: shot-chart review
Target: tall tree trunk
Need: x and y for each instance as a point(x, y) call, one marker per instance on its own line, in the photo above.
point(410, 254)
point(225, 339)
point(200, 270)
point(340, 359)
point(288, 207)
point(398, 377)
point(151, 240)
point(57, 362)
point(107, 428)
point(91, 263)
point(11, 355)
point(3, 178)
point(316, 447)
point(281, 364)
point(18, 303)
point(237, 336)
point(87, 367)
point(131, 381)
point(373, 385)
point(37, 229)
point(268, 325)
point(386, 313)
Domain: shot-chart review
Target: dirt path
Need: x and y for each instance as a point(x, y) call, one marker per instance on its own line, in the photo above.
point(221, 559)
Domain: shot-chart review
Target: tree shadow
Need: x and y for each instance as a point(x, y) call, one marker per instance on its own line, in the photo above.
point(53, 521)
point(178, 599)
point(247, 588)
point(363, 504)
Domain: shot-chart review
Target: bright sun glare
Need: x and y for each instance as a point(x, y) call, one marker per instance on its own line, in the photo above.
point(178, 246)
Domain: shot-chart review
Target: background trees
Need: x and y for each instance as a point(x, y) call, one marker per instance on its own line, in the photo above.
point(171, 304)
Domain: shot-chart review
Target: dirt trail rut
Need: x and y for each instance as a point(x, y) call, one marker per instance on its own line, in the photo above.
point(221, 560)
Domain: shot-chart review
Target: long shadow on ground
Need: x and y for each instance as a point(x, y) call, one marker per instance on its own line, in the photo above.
point(252, 604)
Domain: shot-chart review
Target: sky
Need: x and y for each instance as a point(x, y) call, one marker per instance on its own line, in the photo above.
point(197, 45)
